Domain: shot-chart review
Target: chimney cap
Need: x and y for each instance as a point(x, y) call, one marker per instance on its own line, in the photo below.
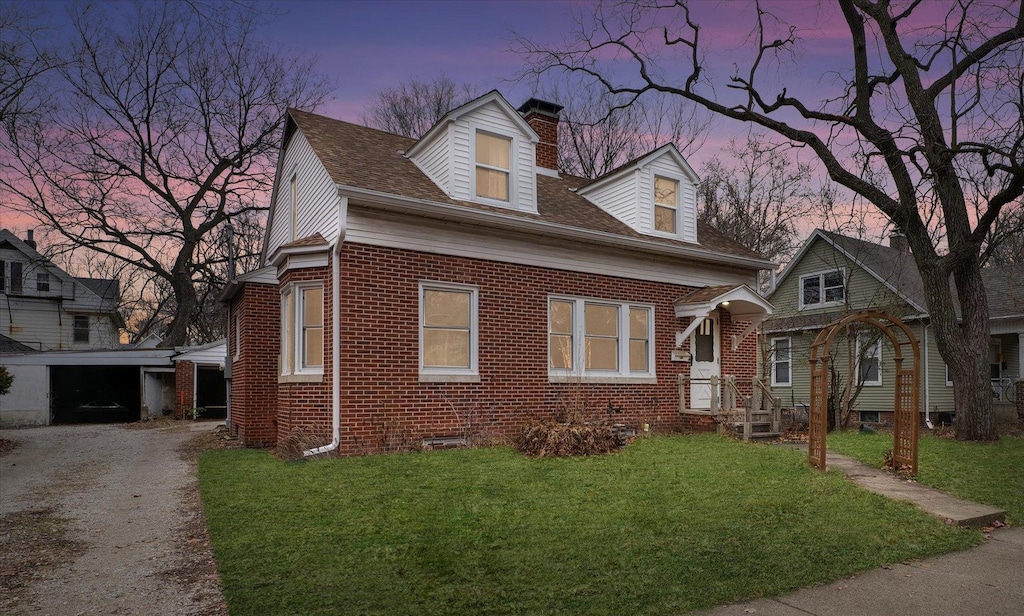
point(536, 105)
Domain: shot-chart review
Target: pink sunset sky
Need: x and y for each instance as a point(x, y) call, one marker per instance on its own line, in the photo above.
point(368, 46)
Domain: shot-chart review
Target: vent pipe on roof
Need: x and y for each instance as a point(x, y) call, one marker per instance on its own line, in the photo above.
point(543, 117)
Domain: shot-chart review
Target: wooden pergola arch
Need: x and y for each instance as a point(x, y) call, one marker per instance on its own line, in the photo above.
point(906, 401)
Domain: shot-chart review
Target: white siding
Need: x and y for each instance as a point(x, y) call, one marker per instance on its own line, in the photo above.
point(620, 200)
point(461, 163)
point(317, 197)
point(42, 325)
point(28, 402)
point(380, 229)
point(435, 160)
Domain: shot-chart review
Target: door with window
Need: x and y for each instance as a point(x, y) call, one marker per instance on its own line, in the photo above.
point(705, 355)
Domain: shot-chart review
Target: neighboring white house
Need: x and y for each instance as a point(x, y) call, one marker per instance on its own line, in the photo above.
point(45, 309)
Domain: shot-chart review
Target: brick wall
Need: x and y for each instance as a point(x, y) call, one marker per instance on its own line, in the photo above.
point(1020, 399)
point(184, 387)
point(384, 405)
point(254, 372)
point(309, 404)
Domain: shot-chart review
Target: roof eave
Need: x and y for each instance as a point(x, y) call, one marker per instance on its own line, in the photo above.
point(434, 209)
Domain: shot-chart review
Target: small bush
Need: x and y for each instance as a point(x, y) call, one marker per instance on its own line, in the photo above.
point(298, 440)
point(572, 438)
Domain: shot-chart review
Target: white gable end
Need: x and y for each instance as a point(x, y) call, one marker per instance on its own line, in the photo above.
point(447, 154)
point(628, 194)
point(316, 197)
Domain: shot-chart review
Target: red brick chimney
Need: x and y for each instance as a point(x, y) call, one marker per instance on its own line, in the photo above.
point(899, 241)
point(542, 116)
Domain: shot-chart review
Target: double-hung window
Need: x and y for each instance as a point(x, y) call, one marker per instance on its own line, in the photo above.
point(666, 204)
point(782, 362)
point(80, 328)
point(599, 339)
point(42, 281)
point(823, 289)
point(302, 330)
point(493, 166)
point(448, 331)
point(869, 360)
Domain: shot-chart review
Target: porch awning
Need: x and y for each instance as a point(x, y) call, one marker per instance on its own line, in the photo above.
point(740, 301)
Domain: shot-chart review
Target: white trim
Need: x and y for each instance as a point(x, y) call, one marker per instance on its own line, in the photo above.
point(678, 179)
point(439, 374)
point(578, 371)
point(293, 196)
point(640, 163)
point(292, 295)
point(820, 274)
point(775, 360)
point(236, 339)
point(455, 213)
point(512, 171)
point(468, 108)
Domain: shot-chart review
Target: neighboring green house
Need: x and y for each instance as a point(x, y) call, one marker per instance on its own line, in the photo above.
point(833, 275)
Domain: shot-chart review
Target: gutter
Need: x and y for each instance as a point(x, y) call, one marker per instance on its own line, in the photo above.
point(335, 333)
point(445, 211)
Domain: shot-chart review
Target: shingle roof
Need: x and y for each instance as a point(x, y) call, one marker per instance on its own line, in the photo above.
point(371, 159)
point(313, 240)
point(706, 294)
point(10, 345)
point(108, 289)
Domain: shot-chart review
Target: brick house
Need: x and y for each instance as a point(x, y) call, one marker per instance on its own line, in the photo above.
point(460, 284)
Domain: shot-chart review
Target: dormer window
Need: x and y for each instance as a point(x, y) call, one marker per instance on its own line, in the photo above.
point(666, 204)
point(493, 166)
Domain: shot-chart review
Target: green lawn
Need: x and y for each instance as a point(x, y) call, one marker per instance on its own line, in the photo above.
point(990, 473)
point(669, 524)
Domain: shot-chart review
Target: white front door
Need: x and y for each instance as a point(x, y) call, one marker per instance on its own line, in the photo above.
point(705, 356)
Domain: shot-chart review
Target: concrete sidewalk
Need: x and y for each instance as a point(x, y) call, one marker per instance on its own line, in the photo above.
point(988, 579)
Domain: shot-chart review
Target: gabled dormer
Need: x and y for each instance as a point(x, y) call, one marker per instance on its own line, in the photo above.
point(655, 194)
point(483, 151)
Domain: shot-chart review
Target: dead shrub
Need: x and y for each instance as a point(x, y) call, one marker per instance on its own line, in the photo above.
point(547, 438)
point(298, 440)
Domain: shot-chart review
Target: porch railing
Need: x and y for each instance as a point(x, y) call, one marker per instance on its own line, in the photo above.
point(759, 413)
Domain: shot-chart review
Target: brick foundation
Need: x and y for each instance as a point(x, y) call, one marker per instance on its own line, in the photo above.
point(1020, 399)
point(384, 406)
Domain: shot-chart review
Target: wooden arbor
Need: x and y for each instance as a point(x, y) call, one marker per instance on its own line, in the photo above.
point(907, 393)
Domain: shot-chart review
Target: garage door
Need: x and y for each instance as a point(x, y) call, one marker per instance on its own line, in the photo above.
point(94, 393)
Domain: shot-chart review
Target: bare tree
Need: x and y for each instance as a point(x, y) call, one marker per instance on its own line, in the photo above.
point(411, 108)
point(925, 98)
point(22, 61)
point(762, 197)
point(164, 124)
point(596, 135)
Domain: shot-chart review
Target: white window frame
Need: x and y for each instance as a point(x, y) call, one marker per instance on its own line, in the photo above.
point(513, 170)
point(679, 180)
point(820, 275)
point(949, 377)
point(578, 370)
point(42, 282)
point(878, 355)
point(291, 303)
point(775, 361)
point(75, 329)
point(428, 374)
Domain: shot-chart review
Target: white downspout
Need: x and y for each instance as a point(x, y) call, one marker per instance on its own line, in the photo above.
point(927, 383)
point(335, 334)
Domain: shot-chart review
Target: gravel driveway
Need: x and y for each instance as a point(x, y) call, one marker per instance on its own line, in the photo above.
point(104, 519)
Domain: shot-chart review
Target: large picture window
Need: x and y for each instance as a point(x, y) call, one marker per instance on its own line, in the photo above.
point(823, 289)
point(302, 330)
point(595, 338)
point(448, 329)
point(782, 362)
point(493, 166)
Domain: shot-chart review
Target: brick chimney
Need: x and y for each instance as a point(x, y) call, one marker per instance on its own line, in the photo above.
point(542, 116)
point(899, 241)
point(30, 239)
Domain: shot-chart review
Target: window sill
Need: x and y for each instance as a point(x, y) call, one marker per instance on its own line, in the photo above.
point(781, 384)
point(587, 378)
point(449, 378)
point(300, 378)
point(820, 306)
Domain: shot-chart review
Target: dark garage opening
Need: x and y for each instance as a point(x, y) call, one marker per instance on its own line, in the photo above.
point(106, 394)
point(211, 392)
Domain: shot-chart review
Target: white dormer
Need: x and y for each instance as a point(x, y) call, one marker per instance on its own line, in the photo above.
point(655, 195)
point(483, 151)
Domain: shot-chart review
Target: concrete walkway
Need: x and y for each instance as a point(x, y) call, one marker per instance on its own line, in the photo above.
point(988, 579)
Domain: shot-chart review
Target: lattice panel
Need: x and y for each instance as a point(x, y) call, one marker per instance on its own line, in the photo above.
point(818, 420)
point(905, 428)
